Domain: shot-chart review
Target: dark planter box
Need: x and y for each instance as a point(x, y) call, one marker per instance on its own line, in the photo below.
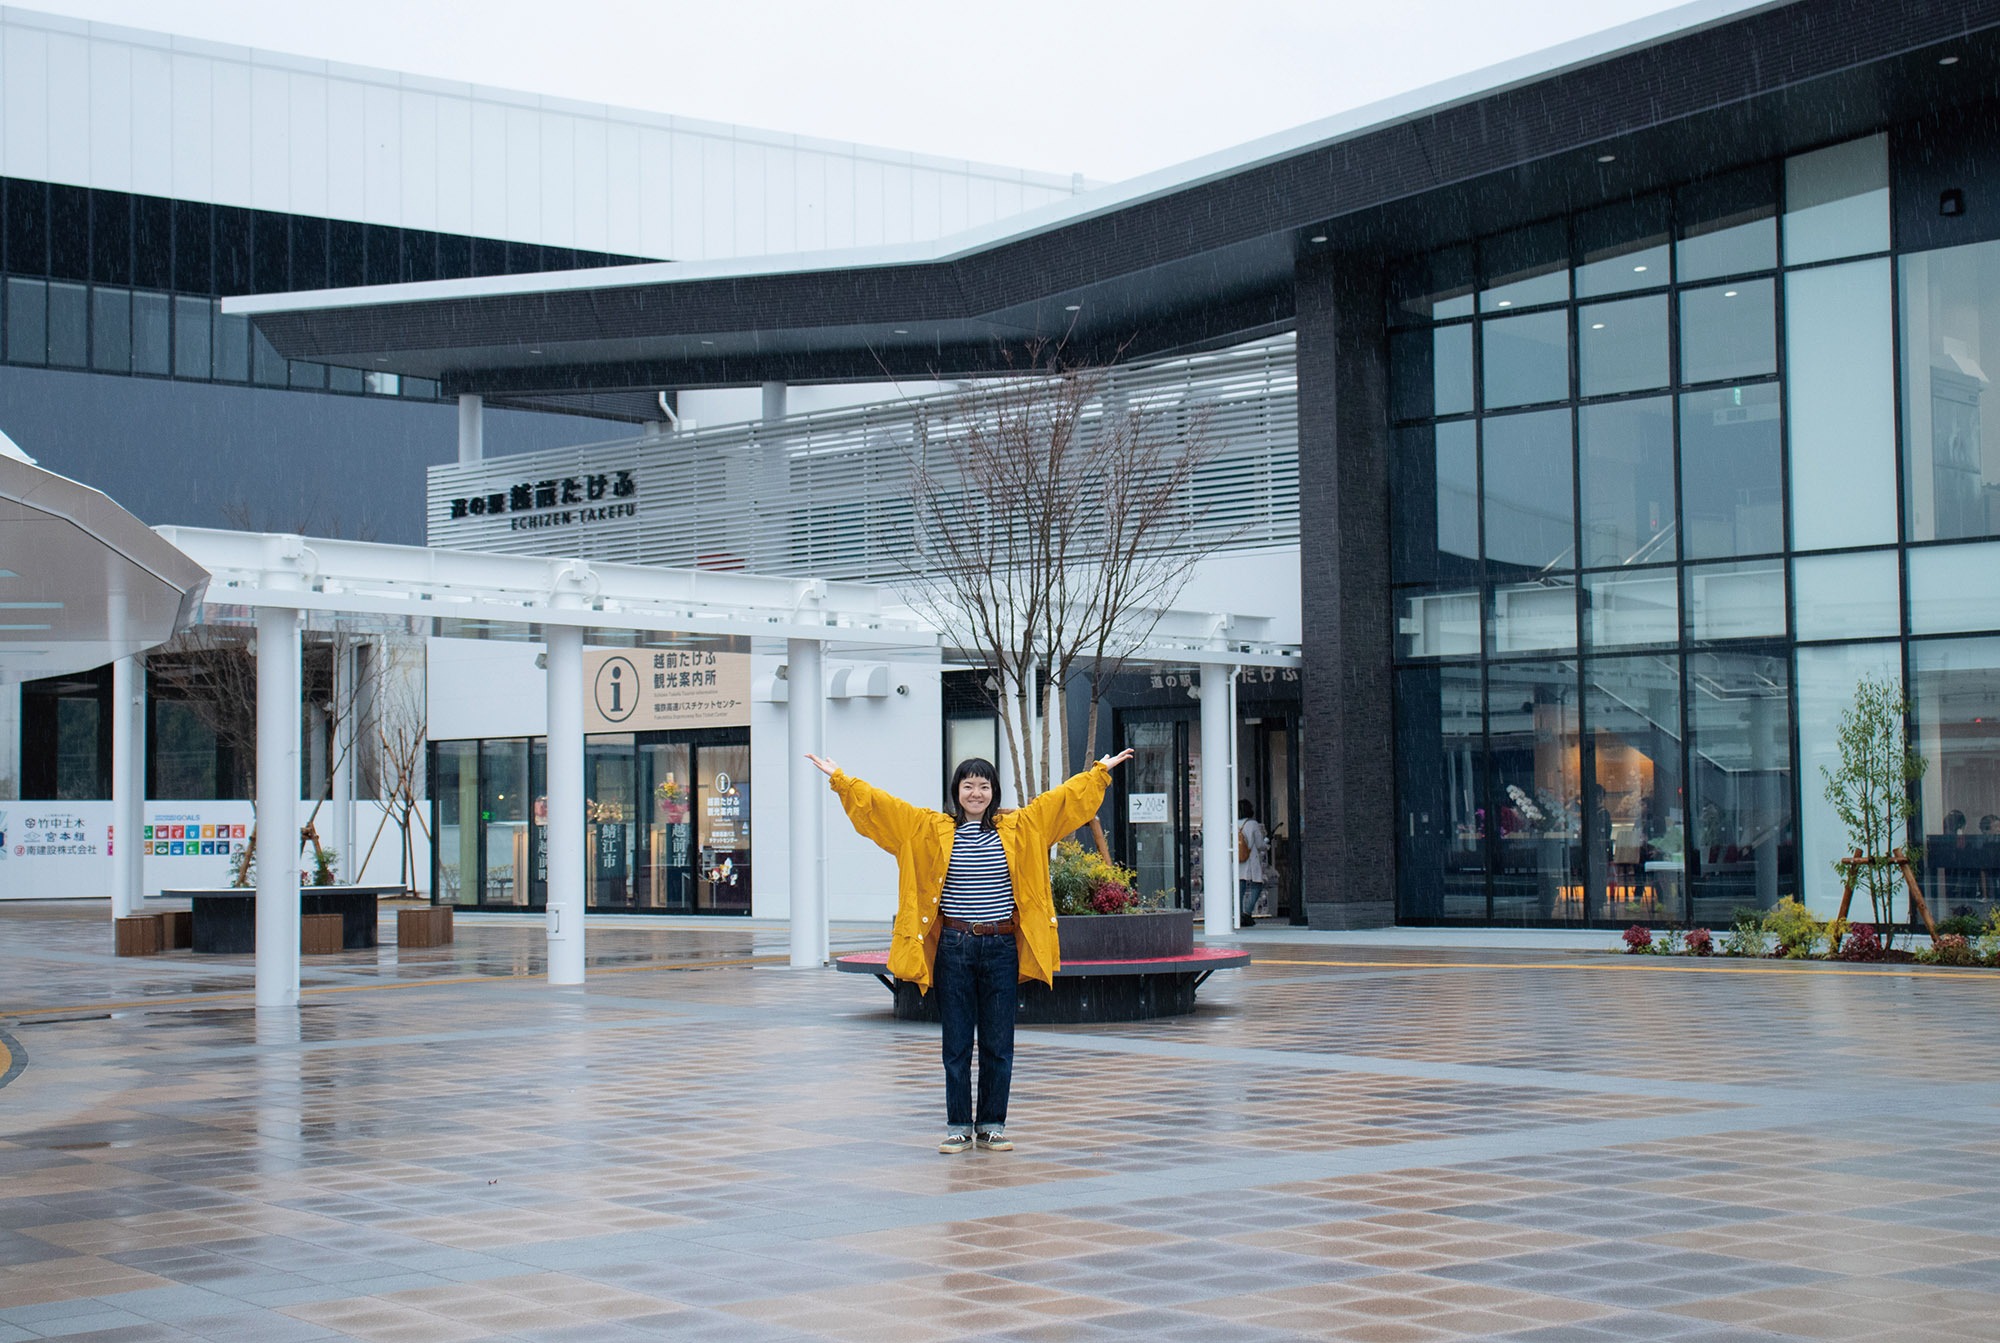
point(1125, 937)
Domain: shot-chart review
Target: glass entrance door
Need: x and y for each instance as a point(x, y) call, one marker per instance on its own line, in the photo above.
point(1156, 805)
point(1267, 763)
point(696, 855)
point(665, 777)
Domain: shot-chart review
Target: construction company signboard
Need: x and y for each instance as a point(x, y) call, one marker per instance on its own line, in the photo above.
point(64, 850)
point(657, 689)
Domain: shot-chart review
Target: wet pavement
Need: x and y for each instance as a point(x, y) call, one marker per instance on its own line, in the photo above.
point(1346, 1140)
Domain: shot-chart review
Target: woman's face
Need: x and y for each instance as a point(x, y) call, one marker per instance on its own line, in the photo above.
point(975, 795)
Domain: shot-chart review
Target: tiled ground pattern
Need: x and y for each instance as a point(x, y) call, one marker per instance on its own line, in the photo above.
point(1339, 1144)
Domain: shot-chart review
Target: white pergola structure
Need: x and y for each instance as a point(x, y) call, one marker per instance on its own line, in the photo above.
point(280, 577)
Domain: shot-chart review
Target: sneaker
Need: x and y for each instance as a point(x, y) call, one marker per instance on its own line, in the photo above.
point(955, 1142)
point(994, 1141)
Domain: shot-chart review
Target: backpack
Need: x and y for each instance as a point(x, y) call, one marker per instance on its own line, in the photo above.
point(1242, 844)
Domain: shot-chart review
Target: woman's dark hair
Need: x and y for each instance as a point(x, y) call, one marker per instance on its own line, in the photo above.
point(974, 768)
point(1244, 810)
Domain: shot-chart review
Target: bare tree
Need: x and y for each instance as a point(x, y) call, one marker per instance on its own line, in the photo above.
point(1055, 526)
point(393, 774)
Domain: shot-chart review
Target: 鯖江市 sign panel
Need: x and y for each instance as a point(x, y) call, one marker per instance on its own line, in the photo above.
point(65, 850)
point(661, 689)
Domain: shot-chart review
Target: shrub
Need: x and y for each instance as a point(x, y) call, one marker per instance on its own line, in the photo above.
point(1083, 883)
point(1638, 938)
point(1987, 945)
point(1862, 944)
point(1667, 943)
point(1746, 934)
point(1947, 949)
point(1960, 925)
point(1797, 932)
point(1700, 942)
point(1835, 931)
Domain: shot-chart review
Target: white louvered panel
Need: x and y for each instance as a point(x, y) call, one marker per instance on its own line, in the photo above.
point(829, 495)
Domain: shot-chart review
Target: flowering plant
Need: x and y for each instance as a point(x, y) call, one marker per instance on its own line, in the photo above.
point(1700, 942)
point(670, 792)
point(1638, 938)
point(1084, 883)
point(603, 813)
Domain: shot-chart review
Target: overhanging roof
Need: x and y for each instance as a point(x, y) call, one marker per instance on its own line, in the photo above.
point(82, 582)
point(1199, 255)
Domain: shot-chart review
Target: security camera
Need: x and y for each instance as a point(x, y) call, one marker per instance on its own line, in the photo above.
point(902, 690)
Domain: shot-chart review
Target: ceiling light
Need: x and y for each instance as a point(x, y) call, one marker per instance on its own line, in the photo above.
point(1638, 270)
point(708, 342)
point(1074, 307)
point(1597, 326)
point(1729, 293)
point(1607, 158)
point(902, 331)
point(1505, 303)
point(1319, 237)
point(1947, 60)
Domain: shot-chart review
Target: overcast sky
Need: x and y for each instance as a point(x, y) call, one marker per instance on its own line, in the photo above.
point(1107, 88)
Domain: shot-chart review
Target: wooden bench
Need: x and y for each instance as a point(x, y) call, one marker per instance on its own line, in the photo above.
point(138, 934)
point(426, 927)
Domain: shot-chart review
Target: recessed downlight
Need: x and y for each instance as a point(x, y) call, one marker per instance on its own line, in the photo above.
point(1638, 270)
point(1319, 237)
point(1947, 60)
point(1505, 303)
point(1607, 158)
point(1729, 293)
point(1597, 326)
point(902, 331)
point(1073, 307)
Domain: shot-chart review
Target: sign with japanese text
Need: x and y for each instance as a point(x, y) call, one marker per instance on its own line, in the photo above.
point(560, 501)
point(658, 689)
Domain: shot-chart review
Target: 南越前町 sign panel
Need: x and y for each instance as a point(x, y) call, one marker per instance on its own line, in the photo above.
point(659, 689)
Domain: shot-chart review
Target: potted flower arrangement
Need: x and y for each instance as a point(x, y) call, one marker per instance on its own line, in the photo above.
point(1087, 888)
point(673, 801)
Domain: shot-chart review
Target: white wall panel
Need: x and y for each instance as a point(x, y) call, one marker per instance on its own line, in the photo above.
point(809, 201)
point(152, 121)
point(110, 115)
point(623, 188)
point(194, 128)
point(926, 203)
point(781, 190)
point(453, 165)
point(558, 193)
point(718, 188)
point(489, 170)
point(981, 200)
point(1009, 199)
point(24, 96)
point(749, 162)
point(69, 109)
point(687, 242)
point(346, 150)
point(591, 202)
point(381, 159)
point(270, 138)
point(897, 205)
point(868, 197)
point(524, 174)
point(419, 160)
point(229, 132)
point(305, 151)
point(954, 203)
point(840, 204)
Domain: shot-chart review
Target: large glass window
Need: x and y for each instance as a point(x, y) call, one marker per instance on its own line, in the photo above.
point(1622, 248)
point(1955, 699)
point(1837, 201)
point(1732, 472)
point(1536, 790)
point(69, 325)
point(152, 339)
point(1622, 346)
point(1628, 482)
point(454, 783)
point(1951, 351)
point(1742, 850)
point(1432, 372)
point(1729, 331)
point(27, 321)
point(1440, 783)
point(1628, 607)
point(1839, 366)
point(1955, 589)
point(1529, 490)
point(1635, 833)
point(1729, 226)
point(1524, 268)
point(1826, 681)
point(504, 809)
point(111, 330)
point(1526, 359)
point(1436, 501)
point(1852, 596)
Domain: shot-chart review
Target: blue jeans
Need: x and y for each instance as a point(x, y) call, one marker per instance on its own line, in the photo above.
point(977, 983)
point(1249, 893)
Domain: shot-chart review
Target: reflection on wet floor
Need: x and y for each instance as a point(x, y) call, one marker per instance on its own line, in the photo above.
point(703, 1143)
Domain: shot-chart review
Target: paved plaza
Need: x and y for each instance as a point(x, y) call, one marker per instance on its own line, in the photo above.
point(1348, 1140)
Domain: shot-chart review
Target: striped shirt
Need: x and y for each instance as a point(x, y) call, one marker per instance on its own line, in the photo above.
point(976, 885)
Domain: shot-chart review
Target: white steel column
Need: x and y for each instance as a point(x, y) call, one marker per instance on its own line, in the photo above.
point(774, 401)
point(1218, 803)
point(471, 428)
point(278, 693)
point(566, 804)
point(128, 784)
point(805, 722)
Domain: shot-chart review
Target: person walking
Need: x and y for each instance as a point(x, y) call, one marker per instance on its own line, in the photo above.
point(1251, 846)
point(974, 915)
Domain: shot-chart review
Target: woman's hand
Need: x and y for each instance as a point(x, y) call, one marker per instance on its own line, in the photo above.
point(828, 768)
point(1114, 761)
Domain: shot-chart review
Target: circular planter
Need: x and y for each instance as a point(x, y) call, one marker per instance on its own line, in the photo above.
point(1125, 937)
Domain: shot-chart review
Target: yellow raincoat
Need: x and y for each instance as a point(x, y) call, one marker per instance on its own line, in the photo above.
point(921, 839)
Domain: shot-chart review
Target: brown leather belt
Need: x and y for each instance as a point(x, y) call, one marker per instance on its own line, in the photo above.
point(976, 929)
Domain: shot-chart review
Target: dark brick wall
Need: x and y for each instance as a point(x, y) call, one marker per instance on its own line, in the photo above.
point(1347, 772)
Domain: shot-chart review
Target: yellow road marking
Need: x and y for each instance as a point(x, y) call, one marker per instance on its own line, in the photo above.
point(324, 989)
